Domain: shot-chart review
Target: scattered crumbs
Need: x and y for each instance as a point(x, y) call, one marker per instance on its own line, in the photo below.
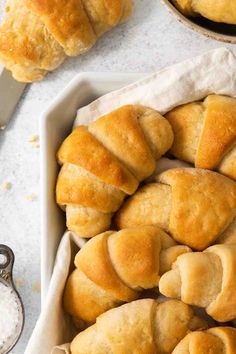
point(19, 282)
point(31, 197)
point(6, 186)
point(33, 139)
point(36, 287)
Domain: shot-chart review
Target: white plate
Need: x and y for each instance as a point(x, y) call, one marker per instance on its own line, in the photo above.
point(55, 124)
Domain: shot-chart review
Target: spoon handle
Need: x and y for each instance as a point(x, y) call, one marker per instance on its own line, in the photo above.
point(6, 264)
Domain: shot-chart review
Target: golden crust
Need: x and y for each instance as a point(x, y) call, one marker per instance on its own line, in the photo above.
point(102, 273)
point(86, 300)
point(186, 122)
point(83, 149)
point(173, 319)
point(75, 186)
point(215, 198)
point(97, 171)
point(86, 222)
point(168, 257)
point(205, 279)
point(218, 132)
point(120, 133)
point(220, 11)
point(229, 235)
point(195, 277)
point(227, 335)
point(68, 23)
point(223, 308)
point(150, 205)
point(135, 255)
point(135, 328)
point(228, 164)
point(23, 73)
point(156, 129)
point(184, 6)
point(19, 32)
point(199, 342)
point(126, 324)
point(90, 341)
point(118, 266)
point(105, 14)
point(216, 340)
point(205, 133)
point(195, 206)
point(35, 34)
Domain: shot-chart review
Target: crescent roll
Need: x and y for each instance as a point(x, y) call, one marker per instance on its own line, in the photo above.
point(195, 206)
point(215, 340)
point(36, 36)
point(206, 280)
point(105, 161)
point(205, 133)
point(218, 11)
point(142, 326)
point(114, 267)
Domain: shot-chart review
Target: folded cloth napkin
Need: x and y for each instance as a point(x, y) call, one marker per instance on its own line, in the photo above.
point(213, 72)
point(190, 80)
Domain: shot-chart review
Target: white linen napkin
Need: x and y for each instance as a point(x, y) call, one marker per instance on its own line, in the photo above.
point(190, 80)
point(213, 72)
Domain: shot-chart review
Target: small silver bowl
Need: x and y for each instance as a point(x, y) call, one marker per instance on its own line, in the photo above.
point(6, 278)
point(219, 31)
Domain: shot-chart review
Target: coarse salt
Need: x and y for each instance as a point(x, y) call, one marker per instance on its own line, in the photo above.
point(9, 315)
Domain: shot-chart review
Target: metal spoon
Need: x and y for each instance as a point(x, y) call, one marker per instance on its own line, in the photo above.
point(6, 266)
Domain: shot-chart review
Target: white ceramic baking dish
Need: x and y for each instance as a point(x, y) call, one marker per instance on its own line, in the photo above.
point(55, 124)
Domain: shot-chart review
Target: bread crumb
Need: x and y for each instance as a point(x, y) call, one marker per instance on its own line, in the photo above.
point(37, 146)
point(31, 197)
point(19, 282)
point(6, 186)
point(33, 139)
point(36, 287)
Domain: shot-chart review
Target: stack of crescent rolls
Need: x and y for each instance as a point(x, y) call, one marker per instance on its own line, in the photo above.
point(156, 252)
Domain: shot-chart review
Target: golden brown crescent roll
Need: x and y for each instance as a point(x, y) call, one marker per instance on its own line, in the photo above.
point(205, 133)
point(36, 35)
point(195, 206)
point(105, 161)
point(142, 326)
point(206, 280)
point(26, 47)
point(114, 267)
point(218, 340)
point(218, 11)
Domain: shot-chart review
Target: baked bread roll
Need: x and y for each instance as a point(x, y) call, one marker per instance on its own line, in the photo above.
point(205, 133)
point(142, 326)
point(218, 11)
point(206, 280)
point(115, 267)
point(195, 206)
point(35, 36)
point(105, 161)
point(216, 340)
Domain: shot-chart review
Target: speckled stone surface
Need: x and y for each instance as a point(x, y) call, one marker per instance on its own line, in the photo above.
point(151, 40)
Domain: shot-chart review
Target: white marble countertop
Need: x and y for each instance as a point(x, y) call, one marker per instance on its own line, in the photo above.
point(151, 40)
